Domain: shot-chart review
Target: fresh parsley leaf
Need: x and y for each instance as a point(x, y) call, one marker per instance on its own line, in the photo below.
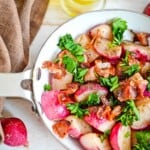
point(47, 87)
point(113, 101)
point(92, 100)
point(143, 140)
point(105, 135)
point(118, 28)
point(148, 85)
point(129, 70)
point(111, 82)
point(70, 64)
point(76, 110)
point(67, 42)
point(79, 75)
point(129, 114)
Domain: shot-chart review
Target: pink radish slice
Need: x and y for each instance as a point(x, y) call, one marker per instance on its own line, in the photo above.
point(102, 30)
point(103, 48)
point(143, 106)
point(77, 127)
point(101, 124)
point(52, 108)
point(64, 81)
point(91, 141)
point(15, 132)
point(85, 90)
point(120, 137)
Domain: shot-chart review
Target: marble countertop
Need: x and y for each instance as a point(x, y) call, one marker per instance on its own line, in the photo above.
point(39, 136)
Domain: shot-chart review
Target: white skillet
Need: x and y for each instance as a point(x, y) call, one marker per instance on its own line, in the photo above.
point(10, 83)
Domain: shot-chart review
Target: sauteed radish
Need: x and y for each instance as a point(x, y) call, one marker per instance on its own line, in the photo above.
point(100, 88)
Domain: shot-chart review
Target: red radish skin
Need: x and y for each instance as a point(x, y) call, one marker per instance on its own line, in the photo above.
point(91, 141)
point(15, 132)
point(120, 137)
point(101, 124)
point(77, 127)
point(85, 90)
point(147, 10)
point(52, 108)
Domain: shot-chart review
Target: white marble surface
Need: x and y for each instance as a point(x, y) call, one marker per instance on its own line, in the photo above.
point(38, 135)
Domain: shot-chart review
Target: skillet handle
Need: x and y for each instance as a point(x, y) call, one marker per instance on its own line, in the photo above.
point(13, 85)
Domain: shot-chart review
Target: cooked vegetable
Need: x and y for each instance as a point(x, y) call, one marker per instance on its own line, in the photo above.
point(129, 113)
point(118, 28)
point(101, 88)
point(143, 140)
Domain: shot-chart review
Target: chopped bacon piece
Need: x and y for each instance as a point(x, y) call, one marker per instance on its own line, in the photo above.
point(132, 88)
point(57, 70)
point(142, 38)
point(61, 128)
point(71, 88)
point(104, 69)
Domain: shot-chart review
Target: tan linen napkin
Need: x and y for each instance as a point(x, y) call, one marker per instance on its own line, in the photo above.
point(20, 20)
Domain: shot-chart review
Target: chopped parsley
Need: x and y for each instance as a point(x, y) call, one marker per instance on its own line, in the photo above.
point(67, 42)
point(111, 82)
point(129, 70)
point(47, 87)
point(143, 140)
point(76, 110)
point(129, 114)
point(105, 135)
point(148, 85)
point(118, 28)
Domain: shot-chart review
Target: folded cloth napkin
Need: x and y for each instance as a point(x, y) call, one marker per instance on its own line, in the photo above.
point(20, 20)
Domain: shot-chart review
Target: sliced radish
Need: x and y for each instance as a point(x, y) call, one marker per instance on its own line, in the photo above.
point(91, 141)
point(64, 81)
point(52, 108)
point(15, 131)
point(83, 40)
point(120, 137)
point(77, 126)
point(141, 52)
point(85, 90)
point(143, 106)
point(101, 124)
point(91, 54)
point(102, 46)
point(103, 31)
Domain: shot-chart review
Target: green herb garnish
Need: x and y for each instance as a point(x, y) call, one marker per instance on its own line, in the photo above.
point(148, 85)
point(92, 100)
point(129, 70)
point(67, 42)
point(129, 114)
point(70, 64)
point(118, 28)
point(105, 135)
point(143, 140)
point(76, 110)
point(111, 82)
point(79, 75)
point(47, 87)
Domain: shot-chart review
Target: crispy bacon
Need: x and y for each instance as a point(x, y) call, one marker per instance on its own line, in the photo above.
point(104, 69)
point(61, 128)
point(57, 70)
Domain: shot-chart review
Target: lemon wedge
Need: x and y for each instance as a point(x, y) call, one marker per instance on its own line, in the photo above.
point(75, 7)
